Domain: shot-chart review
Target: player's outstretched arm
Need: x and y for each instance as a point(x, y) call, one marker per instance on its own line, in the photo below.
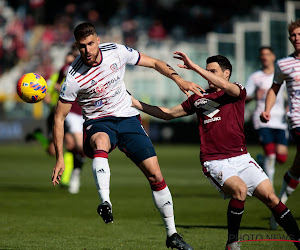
point(61, 112)
point(228, 87)
point(169, 72)
point(270, 101)
point(159, 112)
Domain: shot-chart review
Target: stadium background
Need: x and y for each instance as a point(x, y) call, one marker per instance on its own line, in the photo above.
point(36, 34)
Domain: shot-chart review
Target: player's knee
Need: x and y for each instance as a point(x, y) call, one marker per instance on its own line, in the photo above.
point(240, 191)
point(100, 141)
point(271, 199)
point(281, 158)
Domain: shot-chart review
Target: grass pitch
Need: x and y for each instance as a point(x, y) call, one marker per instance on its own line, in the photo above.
point(36, 215)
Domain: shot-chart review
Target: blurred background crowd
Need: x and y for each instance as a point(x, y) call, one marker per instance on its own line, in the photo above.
point(29, 28)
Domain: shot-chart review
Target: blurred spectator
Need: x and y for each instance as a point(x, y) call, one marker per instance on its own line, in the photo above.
point(129, 29)
point(157, 31)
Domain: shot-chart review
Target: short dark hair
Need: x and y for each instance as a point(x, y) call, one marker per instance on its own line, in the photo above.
point(293, 25)
point(84, 30)
point(266, 47)
point(222, 61)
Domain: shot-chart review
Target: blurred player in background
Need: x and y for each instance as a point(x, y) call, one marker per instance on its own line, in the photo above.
point(95, 79)
point(272, 135)
point(224, 156)
point(288, 69)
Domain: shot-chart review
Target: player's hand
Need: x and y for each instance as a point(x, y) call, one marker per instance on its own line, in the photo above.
point(57, 173)
point(136, 103)
point(188, 63)
point(265, 117)
point(187, 86)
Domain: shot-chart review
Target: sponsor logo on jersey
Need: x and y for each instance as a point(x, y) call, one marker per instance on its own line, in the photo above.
point(112, 81)
point(114, 67)
point(118, 91)
point(99, 103)
point(214, 119)
point(198, 103)
point(129, 49)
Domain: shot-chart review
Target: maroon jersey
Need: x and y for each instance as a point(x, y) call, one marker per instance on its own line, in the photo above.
point(221, 123)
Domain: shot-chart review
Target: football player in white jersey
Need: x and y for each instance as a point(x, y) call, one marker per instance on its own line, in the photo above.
point(272, 135)
point(288, 69)
point(95, 78)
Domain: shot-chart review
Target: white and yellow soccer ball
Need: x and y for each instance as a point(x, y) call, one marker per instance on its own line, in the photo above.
point(32, 88)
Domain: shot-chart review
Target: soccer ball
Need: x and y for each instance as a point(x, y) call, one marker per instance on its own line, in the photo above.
point(32, 88)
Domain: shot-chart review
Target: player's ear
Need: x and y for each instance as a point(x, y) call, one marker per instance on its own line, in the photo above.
point(98, 39)
point(227, 74)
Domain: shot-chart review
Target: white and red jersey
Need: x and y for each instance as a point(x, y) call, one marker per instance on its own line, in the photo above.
point(100, 90)
point(258, 85)
point(288, 69)
point(221, 123)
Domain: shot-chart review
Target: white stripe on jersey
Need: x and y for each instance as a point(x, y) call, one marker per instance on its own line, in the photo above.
point(260, 81)
point(288, 69)
point(100, 90)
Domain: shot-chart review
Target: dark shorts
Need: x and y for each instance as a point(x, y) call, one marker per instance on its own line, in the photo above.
point(125, 132)
point(271, 135)
point(295, 133)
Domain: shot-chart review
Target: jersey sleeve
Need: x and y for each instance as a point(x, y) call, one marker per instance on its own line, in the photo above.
point(188, 105)
point(250, 86)
point(131, 56)
point(69, 90)
point(243, 92)
point(278, 75)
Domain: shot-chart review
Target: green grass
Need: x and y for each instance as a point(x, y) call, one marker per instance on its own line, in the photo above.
point(36, 215)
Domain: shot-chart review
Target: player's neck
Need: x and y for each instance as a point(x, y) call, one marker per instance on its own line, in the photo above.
point(269, 69)
point(297, 54)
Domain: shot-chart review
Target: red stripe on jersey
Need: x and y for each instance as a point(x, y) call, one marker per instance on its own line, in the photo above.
point(92, 79)
point(287, 62)
point(83, 77)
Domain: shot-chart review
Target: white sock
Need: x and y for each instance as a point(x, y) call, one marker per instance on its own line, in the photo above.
point(286, 189)
point(163, 201)
point(269, 166)
point(101, 174)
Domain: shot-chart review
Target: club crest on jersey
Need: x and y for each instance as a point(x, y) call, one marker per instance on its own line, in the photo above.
point(297, 78)
point(114, 67)
point(100, 89)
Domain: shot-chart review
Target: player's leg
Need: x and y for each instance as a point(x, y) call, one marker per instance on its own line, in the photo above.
point(79, 159)
point(264, 192)
point(162, 199)
point(266, 138)
point(75, 122)
point(237, 188)
point(99, 140)
point(134, 141)
point(291, 178)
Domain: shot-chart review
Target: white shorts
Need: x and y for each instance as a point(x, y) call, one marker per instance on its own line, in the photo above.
point(74, 123)
point(243, 166)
